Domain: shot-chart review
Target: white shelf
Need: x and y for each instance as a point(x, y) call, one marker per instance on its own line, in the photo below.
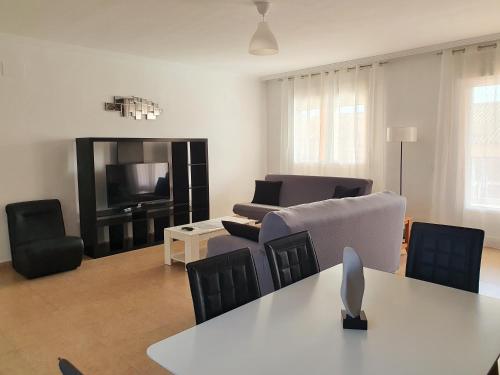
point(179, 257)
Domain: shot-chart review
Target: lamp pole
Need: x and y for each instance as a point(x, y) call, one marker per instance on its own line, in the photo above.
point(401, 170)
point(401, 134)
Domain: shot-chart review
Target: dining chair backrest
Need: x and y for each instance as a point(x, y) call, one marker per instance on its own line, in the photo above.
point(222, 283)
point(67, 368)
point(445, 255)
point(291, 258)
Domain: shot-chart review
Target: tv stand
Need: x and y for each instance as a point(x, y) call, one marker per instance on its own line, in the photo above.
point(106, 230)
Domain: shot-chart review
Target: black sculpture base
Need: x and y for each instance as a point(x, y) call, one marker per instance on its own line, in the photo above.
point(354, 323)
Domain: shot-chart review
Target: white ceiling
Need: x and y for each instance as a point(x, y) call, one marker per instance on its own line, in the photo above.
point(215, 33)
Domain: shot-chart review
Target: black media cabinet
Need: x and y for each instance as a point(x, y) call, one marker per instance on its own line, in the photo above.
point(107, 231)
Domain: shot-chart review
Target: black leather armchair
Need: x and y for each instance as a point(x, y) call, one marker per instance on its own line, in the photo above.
point(38, 240)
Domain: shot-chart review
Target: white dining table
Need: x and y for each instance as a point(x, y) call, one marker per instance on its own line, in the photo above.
point(414, 327)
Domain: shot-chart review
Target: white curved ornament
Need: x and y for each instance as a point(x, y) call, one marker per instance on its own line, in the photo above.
point(352, 289)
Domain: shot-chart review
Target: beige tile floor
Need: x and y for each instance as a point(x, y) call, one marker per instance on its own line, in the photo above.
point(105, 314)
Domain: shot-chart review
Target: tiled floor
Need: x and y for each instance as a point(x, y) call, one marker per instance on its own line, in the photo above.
point(104, 315)
point(101, 316)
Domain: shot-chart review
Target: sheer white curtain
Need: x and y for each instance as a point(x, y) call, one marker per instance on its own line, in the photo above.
point(333, 124)
point(466, 188)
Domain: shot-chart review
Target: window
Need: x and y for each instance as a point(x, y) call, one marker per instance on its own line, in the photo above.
point(483, 146)
point(330, 122)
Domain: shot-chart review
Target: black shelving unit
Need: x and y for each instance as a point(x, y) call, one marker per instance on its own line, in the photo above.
point(107, 231)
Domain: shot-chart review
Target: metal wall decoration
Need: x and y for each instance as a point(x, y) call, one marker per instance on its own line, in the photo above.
point(132, 106)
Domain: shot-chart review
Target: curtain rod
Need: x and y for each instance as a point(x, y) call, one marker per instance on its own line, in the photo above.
point(463, 49)
point(483, 41)
point(326, 72)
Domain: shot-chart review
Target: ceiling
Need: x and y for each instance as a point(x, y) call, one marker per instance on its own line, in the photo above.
point(216, 33)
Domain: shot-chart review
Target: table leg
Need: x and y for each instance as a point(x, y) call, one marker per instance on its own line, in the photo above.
point(192, 249)
point(408, 232)
point(168, 249)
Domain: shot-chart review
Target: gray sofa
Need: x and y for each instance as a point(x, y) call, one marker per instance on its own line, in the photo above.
point(372, 224)
point(297, 190)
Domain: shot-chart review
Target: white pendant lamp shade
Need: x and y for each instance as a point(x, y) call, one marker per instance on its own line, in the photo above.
point(263, 41)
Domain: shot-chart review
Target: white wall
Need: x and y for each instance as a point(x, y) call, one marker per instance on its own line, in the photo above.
point(412, 87)
point(274, 125)
point(50, 94)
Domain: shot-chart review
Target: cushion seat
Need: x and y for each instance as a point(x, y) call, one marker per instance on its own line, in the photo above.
point(48, 256)
point(254, 210)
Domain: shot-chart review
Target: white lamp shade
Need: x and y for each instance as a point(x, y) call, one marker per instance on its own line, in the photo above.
point(263, 41)
point(402, 134)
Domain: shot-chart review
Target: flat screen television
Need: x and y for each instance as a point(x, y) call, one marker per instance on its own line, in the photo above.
point(131, 184)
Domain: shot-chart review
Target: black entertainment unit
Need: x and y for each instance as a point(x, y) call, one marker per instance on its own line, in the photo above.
point(131, 189)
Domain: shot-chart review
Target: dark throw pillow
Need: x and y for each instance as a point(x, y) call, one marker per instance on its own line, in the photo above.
point(267, 192)
point(249, 232)
point(161, 188)
point(344, 192)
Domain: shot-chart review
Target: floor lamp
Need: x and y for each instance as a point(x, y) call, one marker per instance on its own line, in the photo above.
point(401, 134)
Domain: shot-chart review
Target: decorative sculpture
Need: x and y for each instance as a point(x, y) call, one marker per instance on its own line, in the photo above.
point(135, 107)
point(352, 290)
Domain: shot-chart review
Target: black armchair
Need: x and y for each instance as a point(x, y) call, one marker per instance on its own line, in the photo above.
point(38, 241)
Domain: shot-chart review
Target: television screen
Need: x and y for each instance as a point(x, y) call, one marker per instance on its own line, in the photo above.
point(129, 184)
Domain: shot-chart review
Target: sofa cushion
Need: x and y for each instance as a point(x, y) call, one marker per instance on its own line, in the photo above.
point(253, 210)
point(307, 189)
point(267, 192)
point(345, 192)
point(250, 232)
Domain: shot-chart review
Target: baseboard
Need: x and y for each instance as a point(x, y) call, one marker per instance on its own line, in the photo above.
point(493, 242)
point(5, 263)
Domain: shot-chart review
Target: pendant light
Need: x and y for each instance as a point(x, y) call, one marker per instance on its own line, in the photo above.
point(263, 41)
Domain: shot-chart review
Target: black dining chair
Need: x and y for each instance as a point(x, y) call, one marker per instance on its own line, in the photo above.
point(67, 368)
point(291, 258)
point(445, 255)
point(222, 283)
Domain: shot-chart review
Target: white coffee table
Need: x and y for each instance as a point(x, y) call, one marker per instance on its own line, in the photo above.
point(203, 230)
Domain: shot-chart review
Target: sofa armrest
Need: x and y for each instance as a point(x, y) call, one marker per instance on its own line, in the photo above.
point(226, 243)
point(273, 226)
